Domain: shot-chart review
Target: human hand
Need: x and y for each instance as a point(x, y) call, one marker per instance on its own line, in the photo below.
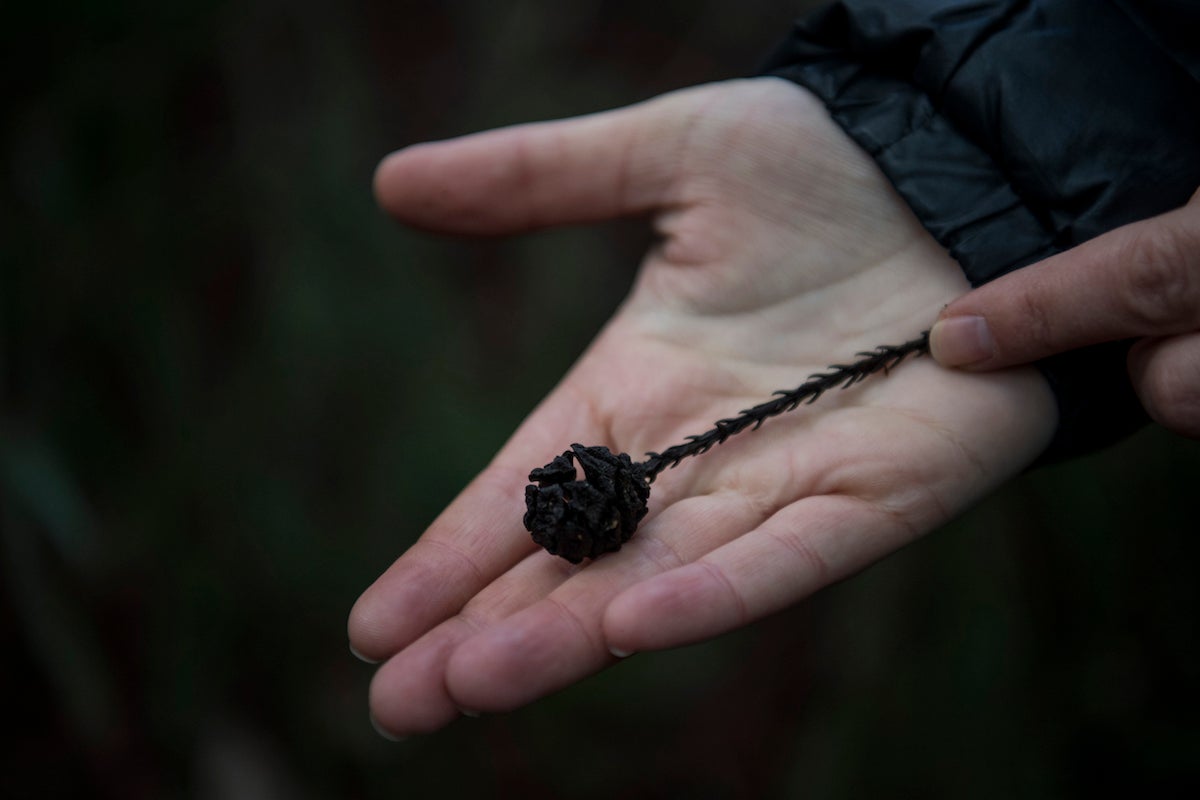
point(782, 249)
point(1140, 280)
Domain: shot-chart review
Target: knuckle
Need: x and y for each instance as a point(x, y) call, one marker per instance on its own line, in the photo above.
point(1181, 415)
point(1037, 323)
point(1162, 265)
point(1171, 397)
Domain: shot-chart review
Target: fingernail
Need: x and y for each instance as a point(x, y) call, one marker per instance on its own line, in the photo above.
point(361, 657)
point(619, 653)
point(466, 712)
point(391, 737)
point(961, 341)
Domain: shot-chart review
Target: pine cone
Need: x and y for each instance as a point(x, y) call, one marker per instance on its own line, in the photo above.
point(578, 519)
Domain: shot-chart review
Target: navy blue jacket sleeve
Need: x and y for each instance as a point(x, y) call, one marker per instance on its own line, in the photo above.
point(1016, 129)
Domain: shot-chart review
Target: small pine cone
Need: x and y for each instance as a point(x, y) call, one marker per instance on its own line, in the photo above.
point(578, 519)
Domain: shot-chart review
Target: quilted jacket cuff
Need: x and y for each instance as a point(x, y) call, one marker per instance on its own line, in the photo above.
point(1015, 131)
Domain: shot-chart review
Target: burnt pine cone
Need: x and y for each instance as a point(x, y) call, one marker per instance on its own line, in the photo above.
point(584, 518)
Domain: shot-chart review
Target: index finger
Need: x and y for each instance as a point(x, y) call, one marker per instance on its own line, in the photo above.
point(1142, 279)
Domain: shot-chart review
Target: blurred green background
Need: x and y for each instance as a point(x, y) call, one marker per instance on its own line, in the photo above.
point(231, 392)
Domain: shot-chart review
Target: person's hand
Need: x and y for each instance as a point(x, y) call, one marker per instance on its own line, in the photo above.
point(782, 250)
point(1139, 281)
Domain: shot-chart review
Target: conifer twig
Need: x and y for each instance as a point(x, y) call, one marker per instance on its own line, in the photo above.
point(583, 518)
point(882, 358)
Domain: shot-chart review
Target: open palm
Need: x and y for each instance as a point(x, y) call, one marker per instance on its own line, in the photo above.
point(782, 249)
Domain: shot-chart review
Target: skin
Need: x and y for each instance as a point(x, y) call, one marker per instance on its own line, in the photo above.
point(781, 249)
point(1139, 281)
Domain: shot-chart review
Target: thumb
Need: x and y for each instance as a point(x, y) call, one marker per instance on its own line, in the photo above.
point(535, 175)
point(1142, 279)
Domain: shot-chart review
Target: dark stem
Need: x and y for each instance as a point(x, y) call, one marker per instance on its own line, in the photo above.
point(881, 359)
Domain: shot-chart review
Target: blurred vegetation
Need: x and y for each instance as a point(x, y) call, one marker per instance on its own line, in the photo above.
point(231, 393)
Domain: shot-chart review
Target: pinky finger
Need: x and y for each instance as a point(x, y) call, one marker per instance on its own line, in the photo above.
point(800, 549)
point(1166, 375)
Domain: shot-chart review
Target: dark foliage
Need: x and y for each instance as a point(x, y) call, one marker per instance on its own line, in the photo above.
point(231, 392)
